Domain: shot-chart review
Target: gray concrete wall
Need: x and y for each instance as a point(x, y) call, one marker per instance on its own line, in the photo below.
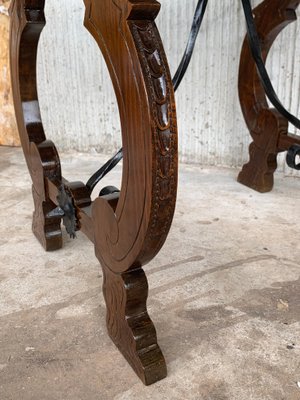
point(78, 103)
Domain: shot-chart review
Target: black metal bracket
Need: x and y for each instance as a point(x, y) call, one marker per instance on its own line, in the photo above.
point(108, 190)
point(291, 157)
point(66, 210)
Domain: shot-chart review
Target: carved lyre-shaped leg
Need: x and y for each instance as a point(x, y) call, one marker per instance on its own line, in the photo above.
point(129, 233)
point(265, 124)
point(128, 227)
point(27, 22)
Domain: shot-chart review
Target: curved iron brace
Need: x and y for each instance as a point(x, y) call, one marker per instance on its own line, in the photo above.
point(104, 170)
point(181, 70)
point(292, 155)
point(187, 56)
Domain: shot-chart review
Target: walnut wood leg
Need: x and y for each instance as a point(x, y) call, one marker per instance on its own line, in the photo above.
point(129, 324)
point(267, 127)
point(258, 173)
point(130, 230)
point(41, 155)
point(129, 227)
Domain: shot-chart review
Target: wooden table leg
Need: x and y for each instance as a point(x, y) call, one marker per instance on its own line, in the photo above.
point(269, 130)
point(41, 156)
point(128, 228)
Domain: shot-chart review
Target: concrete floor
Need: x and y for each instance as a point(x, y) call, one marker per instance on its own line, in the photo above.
point(224, 296)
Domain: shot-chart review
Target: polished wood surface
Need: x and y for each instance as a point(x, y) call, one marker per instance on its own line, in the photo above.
point(268, 129)
point(127, 229)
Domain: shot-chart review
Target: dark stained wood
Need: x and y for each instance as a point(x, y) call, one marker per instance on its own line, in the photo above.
point(127, 228)
point(269, 130)
point(41, 156)
point(129, 324)
point(130, 234)
point(44, 163)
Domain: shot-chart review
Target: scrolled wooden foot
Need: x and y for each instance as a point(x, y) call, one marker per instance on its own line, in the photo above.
point(258, 173)
point(266, 126)
point(129, 324)
point(46, 229)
